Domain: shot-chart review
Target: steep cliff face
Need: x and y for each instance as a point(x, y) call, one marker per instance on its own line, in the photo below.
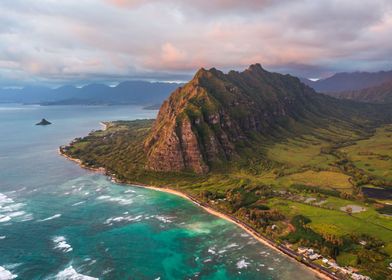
point(202, 124)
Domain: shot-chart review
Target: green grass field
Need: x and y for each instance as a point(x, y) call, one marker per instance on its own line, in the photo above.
point(336, 222)
point(307, 176)
point(373, 155)
point(324, 179)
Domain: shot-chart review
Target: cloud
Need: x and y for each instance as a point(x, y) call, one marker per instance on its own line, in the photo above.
point(216, 6)
point(76, 41)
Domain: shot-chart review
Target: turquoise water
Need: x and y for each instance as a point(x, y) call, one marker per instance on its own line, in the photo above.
point(58, 221)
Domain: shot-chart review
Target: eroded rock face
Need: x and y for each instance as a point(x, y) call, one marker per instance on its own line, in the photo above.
point(202, 123)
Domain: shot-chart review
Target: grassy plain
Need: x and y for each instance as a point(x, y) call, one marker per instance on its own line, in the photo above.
point(314, 176)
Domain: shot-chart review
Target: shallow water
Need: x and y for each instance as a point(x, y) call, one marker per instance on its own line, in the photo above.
point(58, 221)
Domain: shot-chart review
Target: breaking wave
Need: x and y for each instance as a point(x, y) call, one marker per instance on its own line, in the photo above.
point(71, 274)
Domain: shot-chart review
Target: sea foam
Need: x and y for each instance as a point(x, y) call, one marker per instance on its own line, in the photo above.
point(9, 210)
point(51, 218)
point(6, 274)
point(61, 244)
point(71, 274)
point(242, 264)
point(4, 218)
point(112, 220)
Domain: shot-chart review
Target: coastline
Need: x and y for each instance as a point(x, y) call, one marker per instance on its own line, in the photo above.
point(226, 217)
point(263, 240)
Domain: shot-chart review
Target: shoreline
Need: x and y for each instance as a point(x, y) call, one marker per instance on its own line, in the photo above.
point(263, 240)
point(226, 217)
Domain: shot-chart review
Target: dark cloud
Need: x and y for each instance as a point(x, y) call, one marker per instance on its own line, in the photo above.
point(75, 41)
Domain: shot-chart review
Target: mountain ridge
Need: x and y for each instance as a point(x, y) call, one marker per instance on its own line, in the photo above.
point(347, 81)
point(377, 94)
point(206, 122)
point(129, 92)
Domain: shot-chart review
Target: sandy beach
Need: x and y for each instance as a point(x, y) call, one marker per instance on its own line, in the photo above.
point(254, 234)
point(228, 218)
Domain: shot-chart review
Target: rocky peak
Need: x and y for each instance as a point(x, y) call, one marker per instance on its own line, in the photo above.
point(203, 123)
point(255, 68)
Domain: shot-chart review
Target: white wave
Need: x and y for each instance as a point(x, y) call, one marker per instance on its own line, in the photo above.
point(212, 250)
point(232, 245)
point(16, 214)
point(129, 191)
point(51, 218)
point(123, 219)
point(71, 274)
point(120, 200)
point(9, 210)
point(12, 207)
point(164, 219)
point(5, 199)
point(61, 244)
point(6, 274)
point(2, 237)
point(12, 266)
point(4, 218)
point(242, 264)
point(27, 217)
point(78, 203)
point(108, 270)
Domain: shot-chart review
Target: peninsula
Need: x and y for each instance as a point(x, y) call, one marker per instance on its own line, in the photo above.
point(264, 150)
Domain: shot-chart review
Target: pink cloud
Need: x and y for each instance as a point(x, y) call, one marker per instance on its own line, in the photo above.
point(129, 38)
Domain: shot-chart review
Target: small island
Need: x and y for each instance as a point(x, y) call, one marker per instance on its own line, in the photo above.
point(43, 122)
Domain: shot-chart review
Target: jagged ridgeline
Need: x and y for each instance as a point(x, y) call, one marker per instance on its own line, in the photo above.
point(218, 120)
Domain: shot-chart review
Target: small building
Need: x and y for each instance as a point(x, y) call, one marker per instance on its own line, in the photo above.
point(302, 250)
point(314, 257)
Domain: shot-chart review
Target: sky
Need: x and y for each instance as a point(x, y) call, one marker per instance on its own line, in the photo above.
point(54, 42)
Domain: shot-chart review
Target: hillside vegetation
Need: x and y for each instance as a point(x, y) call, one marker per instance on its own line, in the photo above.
point(289, 163)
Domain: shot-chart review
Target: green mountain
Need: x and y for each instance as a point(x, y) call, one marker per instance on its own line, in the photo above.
point(376, 94)
point(299, 168)
point(130, 92)
point(216, 117)
point(349, 81)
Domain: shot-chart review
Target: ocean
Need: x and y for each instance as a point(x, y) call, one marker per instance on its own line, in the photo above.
point(59, 221)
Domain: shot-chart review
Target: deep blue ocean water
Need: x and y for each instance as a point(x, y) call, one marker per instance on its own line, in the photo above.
point(58, 221)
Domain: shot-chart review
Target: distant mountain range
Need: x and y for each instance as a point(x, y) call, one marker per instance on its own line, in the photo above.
point(349, 81)
point(359, 86)
point(131, 92)
point(377, 94)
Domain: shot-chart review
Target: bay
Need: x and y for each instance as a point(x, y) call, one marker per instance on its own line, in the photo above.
point(58, 221)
